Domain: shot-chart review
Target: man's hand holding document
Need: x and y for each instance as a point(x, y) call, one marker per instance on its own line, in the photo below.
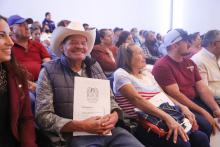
point(92, 106)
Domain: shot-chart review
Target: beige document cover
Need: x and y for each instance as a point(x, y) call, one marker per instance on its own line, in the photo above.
point(91, 98)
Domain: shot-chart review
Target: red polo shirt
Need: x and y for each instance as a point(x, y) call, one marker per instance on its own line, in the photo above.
point(167, 71)
point(32, 59)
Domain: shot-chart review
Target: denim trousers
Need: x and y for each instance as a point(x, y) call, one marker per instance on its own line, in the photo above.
point(196, 139)
point(204, 125)
point(119, 138)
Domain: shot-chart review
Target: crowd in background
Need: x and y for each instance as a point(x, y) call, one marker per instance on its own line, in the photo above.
point(38, 63)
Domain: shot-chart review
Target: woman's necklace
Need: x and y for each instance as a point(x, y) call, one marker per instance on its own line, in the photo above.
point(3, 79)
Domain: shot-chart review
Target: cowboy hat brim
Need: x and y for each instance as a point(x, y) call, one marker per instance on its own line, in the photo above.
point(60, 33)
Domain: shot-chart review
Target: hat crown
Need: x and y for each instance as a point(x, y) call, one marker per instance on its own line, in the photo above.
point(16, 19)
point(76, 26)
point(12, 19)
point(174, 36)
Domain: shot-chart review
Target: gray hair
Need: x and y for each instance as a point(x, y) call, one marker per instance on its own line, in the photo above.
point(210, 37)
point(124, 57)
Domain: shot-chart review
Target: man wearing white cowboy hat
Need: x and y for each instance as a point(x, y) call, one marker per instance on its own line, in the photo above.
point(54, 102)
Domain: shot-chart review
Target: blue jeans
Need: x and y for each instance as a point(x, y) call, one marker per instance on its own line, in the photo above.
point(32, 96)
point(120, 138)
point(204, 125)
point(197, 139)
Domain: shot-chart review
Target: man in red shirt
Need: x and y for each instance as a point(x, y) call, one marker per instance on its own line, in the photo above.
point(179, 77)
point(29, 53)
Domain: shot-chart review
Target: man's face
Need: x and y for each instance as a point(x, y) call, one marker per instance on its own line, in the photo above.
point(75, 48)
point(217, 46)
point(21, 31)
point(107, 38)
point(151, 37)
point(48, 17)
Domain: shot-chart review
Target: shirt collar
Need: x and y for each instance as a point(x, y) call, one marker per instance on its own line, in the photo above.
point(210, 54)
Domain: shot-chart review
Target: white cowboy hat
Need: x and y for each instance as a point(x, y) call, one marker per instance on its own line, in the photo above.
point(74, 28)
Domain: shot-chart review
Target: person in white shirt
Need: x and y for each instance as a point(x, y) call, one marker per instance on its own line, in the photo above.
point(208, 62)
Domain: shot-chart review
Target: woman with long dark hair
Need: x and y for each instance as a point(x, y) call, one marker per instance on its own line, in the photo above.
point(124, 37)
point(16, 119)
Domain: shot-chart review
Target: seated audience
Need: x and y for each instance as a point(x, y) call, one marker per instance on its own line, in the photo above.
point(150, 47)
point(135, 36)
point(29, 53)
point(16, 119)
point(63, 23)
point(195, 44)
point(105, 52)
point(117, 31)
point(38, 24)
point(141, 36)
point(86, 26)
point(124, 38)
point(134, 87)
point(54, 103)
point(159, 38)
point(35, 32)
point(45, 36)
point(208, 62)
point(179, 77)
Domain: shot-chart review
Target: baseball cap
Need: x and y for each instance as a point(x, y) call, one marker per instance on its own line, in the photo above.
point(175, 36)
point(16, 19)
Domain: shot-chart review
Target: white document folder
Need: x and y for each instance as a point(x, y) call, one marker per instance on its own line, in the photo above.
point(91, 98)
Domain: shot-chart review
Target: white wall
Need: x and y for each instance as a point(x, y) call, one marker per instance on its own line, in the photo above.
point(196, 15)
point(144, 14)
point(192, 15)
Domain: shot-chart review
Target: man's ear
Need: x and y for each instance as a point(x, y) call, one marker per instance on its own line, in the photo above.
point(12, 30)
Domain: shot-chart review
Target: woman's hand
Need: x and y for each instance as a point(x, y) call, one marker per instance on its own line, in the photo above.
point(188, 114)
point(175, 129)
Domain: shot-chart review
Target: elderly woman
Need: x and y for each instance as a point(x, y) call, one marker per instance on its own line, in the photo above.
point(16, 120)
point(135, 87)
point(55, 93)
